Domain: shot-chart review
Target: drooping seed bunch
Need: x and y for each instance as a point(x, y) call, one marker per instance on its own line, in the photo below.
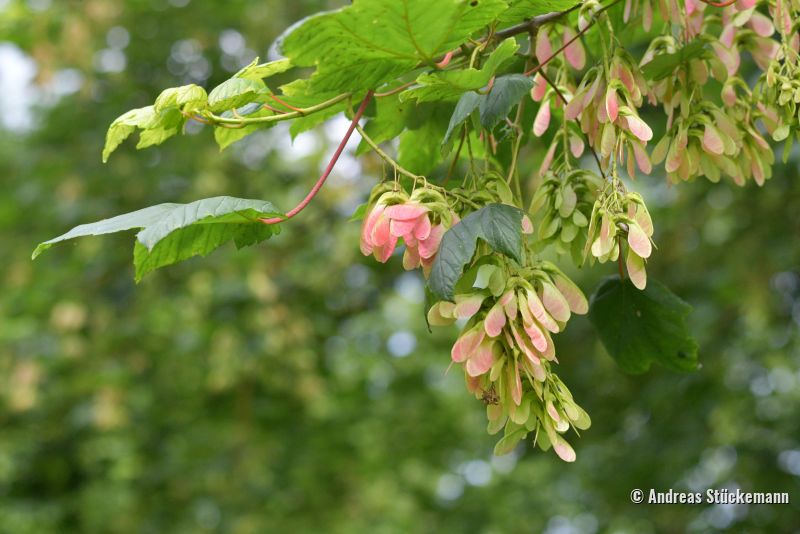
point(562, 207)
point(507, 350)
point(508, 311)
point(606, 103)
point(778, 89)
point(709, 142)
point(419, 220)
point(620, 218)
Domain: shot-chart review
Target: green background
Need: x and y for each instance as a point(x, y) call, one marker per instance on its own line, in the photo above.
point(293, 387)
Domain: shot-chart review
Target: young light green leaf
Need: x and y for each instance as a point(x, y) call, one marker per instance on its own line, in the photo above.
point(255, 71)
point(641, 327)
point(124, 125)
point(174, 232)
point(186, 98)
point(235, 93)
point(499, 225)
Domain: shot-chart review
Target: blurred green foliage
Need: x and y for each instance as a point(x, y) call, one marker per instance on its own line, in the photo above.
point(293, 387)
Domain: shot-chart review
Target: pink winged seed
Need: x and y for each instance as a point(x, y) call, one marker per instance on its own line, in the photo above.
point(400, 228)
point(564, 450)
point(540, 314)
point(468, 305)
point(555, 303)
point(639, 128)
point(368, 227)
point(523, 346)
point(467, 344)
point(575, 54)
point(527, 225)
point(406, 212)
point(495, 320)
point(536, 335)
point(575, 297)
point(509, 302)
point(636, 270)
point(423, 228)
point(712, 142)
point(542, 120)
point(429, 246)
point(481, 360)
point(638, 241)
point(382, 253)
point(543, 47)
point(539, 88)
point(612, 104)
point(411, 259)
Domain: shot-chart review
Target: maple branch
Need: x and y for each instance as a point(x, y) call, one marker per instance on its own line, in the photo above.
point(386, 157)
point(534, 23)
point(301, 112)
point(321, 181)
point(523, 27)
point(577, 36)
point(281, 102)
point(405, 172)
point(396, 89)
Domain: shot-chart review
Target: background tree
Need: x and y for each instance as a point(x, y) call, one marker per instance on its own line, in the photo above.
point(256, 390)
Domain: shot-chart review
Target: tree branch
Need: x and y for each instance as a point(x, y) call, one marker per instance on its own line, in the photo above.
point(321, 181)
point(534, 23)
point(301, 112)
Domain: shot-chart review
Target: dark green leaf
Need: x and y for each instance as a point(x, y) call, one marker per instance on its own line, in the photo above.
point(641, 327)
point(174, 232)
point(499, 225)
point(468, 103)
point(505, 94)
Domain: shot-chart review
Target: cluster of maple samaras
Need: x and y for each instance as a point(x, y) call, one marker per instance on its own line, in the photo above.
point(604, 104)
point(779, 87)
point(505, 346)
point(704, 139)
point(622, 217)
point(562, 206)
point(507, 350)
point(419, 220)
